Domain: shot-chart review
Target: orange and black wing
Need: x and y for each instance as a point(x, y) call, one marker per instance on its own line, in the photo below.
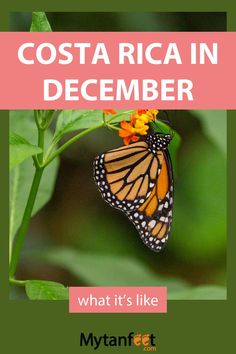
point(126, 176)
point(154, 217)
point(140, 183)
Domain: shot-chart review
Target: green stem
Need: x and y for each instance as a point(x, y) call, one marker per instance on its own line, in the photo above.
point(70, 142)
point(112, 126)
point(17, 282)
point(41, 145)
point(36, 118)
point(36, 162)
point(17, 246)
point(52, 116)
point(20, 237)
point(51, 148)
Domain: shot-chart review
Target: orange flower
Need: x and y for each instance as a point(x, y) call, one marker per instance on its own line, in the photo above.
point(133, 118)
point(109, 111)
point(146, 115)
point(140, 127)
point(152, 113)
point(127, 132)
point(147, 111)
point(141, 111)
point(138, 124)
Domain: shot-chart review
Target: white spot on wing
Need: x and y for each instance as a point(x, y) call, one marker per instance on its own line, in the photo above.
point(152, 223)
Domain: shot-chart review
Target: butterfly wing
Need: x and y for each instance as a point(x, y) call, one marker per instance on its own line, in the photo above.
point(139, 183)
point(154, 217)
point(126, 176)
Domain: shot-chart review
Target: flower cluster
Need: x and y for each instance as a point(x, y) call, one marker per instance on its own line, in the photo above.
point(138, 125)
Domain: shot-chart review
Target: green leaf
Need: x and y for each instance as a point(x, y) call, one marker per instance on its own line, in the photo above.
point(45, 290)
point(73, 120)
point(106, 270)
point(215, 126)
point(21, 149)
point(207, 292)
point(40, 23)
point(22, 123)
point(70, 120)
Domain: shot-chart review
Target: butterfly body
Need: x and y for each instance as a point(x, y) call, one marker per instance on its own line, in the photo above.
point(138, 180)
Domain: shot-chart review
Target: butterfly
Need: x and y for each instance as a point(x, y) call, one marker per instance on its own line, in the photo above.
point(138, 180)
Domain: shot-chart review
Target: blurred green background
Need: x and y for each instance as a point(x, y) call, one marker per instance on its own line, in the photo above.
point(77, 239)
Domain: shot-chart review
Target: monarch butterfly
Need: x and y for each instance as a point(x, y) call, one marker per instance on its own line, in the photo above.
point(138, 180)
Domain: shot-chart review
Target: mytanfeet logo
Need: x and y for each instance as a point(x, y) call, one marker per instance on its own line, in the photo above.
point(146, 342)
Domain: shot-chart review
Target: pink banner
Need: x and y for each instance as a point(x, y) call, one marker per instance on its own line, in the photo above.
point(118, 299)
point(74, 70)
